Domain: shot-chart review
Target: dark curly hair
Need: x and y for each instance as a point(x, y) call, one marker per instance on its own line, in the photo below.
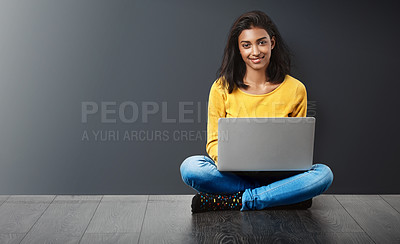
point(233, 67)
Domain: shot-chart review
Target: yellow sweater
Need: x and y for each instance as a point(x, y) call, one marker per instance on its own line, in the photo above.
point(289, 99)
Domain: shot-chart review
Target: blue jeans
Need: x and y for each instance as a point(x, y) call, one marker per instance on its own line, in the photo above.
point(201, 173)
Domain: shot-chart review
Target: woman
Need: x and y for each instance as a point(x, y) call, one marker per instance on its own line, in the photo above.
point(253, 81)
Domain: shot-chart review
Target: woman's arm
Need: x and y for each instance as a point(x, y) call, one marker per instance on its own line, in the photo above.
point(216, 110)
point(300, 104)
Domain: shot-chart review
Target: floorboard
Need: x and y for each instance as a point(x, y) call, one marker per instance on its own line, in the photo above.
point(11, 238)
point(110, 238)
point(393, 200)
point(376, 217)
point(168, 219)
point(3, 198)
point(167, 213)
point(119, 214)
point(64, 221)
point(215, 237)
point(328, 215)
point(19, 213)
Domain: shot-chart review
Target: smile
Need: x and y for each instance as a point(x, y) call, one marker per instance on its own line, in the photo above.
point(257, 60)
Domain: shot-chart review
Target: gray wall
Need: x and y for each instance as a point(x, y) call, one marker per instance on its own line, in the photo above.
point(56, 56)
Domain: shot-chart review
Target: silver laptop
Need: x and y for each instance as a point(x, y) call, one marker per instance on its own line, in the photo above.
point(265, 144)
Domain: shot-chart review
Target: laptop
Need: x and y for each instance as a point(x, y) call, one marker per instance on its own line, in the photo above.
point(266, 144)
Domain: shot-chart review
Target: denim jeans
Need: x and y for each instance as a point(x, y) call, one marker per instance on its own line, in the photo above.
point(260, 191)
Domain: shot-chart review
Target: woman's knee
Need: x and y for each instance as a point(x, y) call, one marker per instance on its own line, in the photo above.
point(190, 162)
point(325, 173)
point(189, 166)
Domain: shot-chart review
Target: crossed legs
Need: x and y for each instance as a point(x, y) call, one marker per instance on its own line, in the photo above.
point(201, 173)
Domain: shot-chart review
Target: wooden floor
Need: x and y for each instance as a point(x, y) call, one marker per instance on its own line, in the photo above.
point(168, 219)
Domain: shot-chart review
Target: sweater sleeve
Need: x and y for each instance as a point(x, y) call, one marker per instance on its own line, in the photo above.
point(300, 103)
point(216, 110)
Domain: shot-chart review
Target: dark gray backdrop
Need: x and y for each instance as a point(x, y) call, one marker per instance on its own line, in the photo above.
point(57, 55)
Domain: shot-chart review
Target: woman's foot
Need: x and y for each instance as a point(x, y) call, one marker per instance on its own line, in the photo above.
point(203, 202)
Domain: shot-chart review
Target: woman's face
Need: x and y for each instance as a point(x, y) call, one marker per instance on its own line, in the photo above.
point(255, 47)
